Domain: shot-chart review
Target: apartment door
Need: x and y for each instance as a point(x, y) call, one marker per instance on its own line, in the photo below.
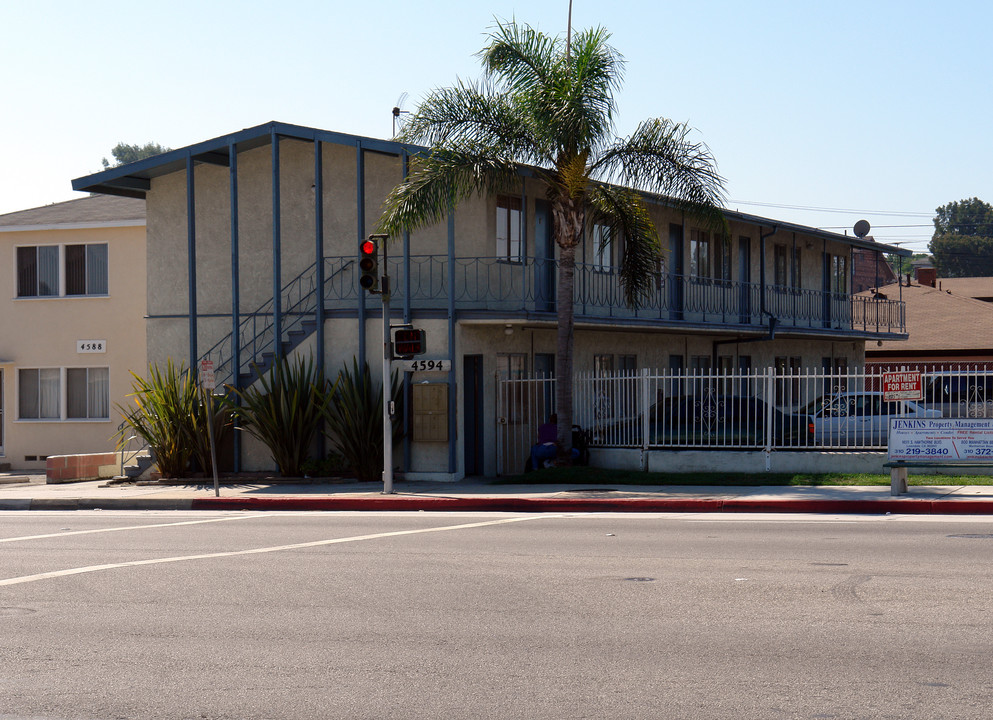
point(472, 412)
point(544, 258)
point(745, 279)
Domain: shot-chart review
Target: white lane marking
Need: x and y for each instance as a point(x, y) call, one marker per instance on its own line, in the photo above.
point(256, 551)
point(129, 527)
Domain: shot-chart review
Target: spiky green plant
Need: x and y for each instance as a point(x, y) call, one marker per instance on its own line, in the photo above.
point(355, 420)
point(284, 411)
point(165, 405)
point(223, 424)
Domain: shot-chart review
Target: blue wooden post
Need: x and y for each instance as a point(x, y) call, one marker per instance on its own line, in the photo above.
point(235, 289)
point(277, 270)
point(191, 255)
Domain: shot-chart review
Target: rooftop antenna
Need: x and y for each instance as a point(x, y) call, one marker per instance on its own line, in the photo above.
point(398, 111)
point(862, 228)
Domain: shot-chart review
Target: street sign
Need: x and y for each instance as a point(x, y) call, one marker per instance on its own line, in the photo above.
point(902, 386)
point(207, 379)
point(423, 365)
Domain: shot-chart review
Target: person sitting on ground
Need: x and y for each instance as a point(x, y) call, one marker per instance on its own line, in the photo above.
point(545, 451)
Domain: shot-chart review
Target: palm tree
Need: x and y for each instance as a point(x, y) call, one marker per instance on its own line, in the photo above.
point(551, 108)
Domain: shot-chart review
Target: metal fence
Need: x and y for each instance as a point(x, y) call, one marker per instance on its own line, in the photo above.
point(772, 409)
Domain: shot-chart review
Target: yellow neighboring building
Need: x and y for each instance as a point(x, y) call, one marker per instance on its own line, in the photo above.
point(73, 326)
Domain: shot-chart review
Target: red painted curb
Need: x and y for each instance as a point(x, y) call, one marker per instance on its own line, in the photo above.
point(906, 506)
point(444, 504)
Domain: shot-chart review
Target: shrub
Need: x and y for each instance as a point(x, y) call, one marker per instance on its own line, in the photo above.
point(355, 420)
point(166, 403)
point(284, 411)
point(222, 427)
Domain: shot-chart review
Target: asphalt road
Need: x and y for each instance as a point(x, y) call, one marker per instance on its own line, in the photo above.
point(334, 615)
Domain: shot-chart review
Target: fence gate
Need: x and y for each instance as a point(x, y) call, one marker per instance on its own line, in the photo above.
point(522, 406)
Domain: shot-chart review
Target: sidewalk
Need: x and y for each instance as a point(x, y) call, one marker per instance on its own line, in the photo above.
point(480, 494)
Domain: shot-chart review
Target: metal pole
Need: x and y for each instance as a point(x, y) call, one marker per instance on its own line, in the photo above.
point(209, 396)
point(387, 363)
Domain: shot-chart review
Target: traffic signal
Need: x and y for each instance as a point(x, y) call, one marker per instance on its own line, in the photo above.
point(408, 342)
point(369, 265)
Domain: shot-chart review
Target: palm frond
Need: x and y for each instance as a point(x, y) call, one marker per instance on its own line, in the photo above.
point(660, 158)
point(624, 212)
point(473, 114)
point(519, 56)
point(439, 180)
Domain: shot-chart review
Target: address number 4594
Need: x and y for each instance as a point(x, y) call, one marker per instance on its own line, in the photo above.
point(421, 365)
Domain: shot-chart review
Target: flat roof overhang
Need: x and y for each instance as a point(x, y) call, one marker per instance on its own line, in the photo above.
point(135, 179)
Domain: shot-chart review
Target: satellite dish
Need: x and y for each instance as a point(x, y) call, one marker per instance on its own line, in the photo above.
point(862, 228)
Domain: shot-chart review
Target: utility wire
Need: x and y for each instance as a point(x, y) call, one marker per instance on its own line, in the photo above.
point(892, 213)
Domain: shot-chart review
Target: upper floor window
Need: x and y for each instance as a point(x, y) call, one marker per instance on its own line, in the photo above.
point(508, 228)
point(603, 251)
point(839, 274)
point(797, 269)
point(699, 253)
point(779, 265)
point(62, 270)
point(722, 259)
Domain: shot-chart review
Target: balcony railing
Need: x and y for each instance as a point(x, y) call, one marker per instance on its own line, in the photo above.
point(494, 285)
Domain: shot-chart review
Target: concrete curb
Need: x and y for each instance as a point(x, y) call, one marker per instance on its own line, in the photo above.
point(548, 505)
point(404, 503)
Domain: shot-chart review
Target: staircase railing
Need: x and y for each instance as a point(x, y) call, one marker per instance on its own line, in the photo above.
point(255, 331)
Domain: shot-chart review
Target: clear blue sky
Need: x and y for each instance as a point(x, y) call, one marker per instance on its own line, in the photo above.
point(880, 108)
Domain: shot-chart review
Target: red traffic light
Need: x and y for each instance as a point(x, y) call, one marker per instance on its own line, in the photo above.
point(369, 265)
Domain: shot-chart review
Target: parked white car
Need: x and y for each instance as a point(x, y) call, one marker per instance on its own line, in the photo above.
point(858, 419)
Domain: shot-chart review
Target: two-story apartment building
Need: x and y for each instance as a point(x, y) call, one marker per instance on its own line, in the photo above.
point(72, 326)
point(253, 245)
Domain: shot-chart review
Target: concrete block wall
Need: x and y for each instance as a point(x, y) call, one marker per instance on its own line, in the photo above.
point(78, 468)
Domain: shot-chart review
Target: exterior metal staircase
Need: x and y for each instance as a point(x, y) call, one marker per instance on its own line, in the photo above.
point(256, 338)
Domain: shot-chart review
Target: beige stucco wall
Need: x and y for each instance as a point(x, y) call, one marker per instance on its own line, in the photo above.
point(42, 333)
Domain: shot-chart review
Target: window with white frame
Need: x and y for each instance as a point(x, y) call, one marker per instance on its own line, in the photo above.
point(839, 274)
point(699, 253)
point(61, 270)
point(722, 259)
point(508, 228)
point(603, 248)
point(87, 393)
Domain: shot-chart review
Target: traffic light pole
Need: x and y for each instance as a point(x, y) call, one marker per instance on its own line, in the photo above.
point(387, 363)
point(384, 295)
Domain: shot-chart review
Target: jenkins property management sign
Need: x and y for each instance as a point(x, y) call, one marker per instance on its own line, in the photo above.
point(941, 439)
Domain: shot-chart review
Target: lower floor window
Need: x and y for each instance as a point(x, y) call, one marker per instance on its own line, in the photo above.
point(87, 393)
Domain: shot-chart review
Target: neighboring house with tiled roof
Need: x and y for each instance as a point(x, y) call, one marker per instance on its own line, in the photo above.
point(977, 288)
point(870, 270)
point(945, 330)
point(72, 325)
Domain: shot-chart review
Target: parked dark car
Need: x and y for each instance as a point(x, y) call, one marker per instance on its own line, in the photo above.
point(960, 393)
point(717, 421)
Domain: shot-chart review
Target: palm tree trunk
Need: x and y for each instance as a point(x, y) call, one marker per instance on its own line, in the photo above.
point(563, 353)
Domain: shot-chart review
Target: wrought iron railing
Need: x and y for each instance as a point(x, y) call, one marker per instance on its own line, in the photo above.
point(763, 409)
point(494, 285)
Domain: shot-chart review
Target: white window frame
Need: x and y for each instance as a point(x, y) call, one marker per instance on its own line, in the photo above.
point(603, 248)
point(61, 269)
point(700, 266)
point(508, 247)
point(63, 395)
